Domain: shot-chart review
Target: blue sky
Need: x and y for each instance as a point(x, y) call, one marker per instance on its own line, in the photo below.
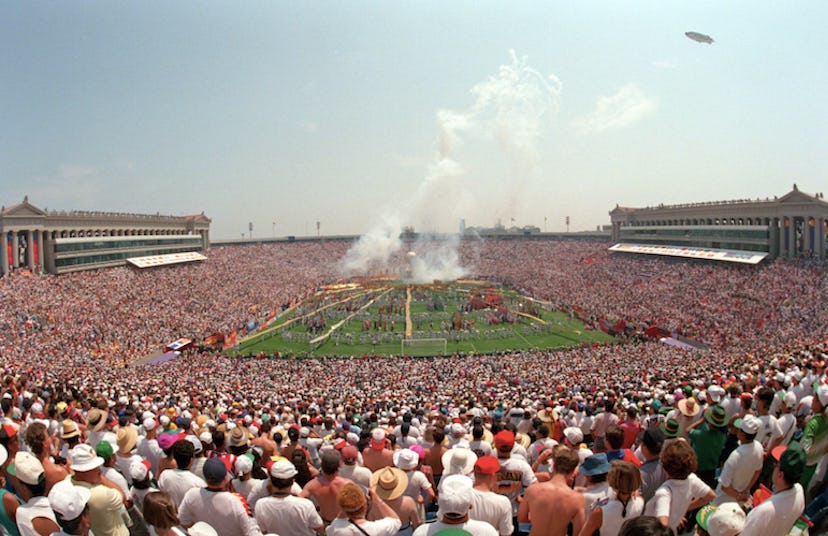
point(298, 112)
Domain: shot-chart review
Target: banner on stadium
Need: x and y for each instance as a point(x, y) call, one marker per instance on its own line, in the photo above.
point(164, 260)
point(178, 346)
point(727, 255)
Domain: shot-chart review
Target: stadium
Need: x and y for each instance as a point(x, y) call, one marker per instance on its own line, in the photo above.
point(166, 332)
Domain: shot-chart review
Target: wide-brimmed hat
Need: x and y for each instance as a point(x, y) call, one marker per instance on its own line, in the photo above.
point(689, 407)
point(406, 459)
point(96, 419)
point(596, 464)
point(389, 482)
point(84, 458)
point(716, 416)
point(239, 437)
point(523, 440)
point(126, 439)
point(70, 429)
point(458, 461)
point(671, 428)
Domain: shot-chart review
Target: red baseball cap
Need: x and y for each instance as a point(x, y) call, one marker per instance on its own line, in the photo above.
point(486, 465)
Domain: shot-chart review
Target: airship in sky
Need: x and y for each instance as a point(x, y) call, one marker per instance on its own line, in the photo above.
point(700, 37)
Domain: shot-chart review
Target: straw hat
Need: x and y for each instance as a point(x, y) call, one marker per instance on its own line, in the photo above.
point(389, 483)
point(689, 407)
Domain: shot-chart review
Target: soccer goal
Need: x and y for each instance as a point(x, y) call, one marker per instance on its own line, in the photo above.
point(423, 347)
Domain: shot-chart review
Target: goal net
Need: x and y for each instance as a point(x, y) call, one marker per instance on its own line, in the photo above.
point(423, 347)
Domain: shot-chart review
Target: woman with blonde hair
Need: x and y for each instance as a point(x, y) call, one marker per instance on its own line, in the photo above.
point(608, 516)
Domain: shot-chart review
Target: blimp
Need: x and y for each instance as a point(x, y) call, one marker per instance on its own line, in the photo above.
point(700, 37)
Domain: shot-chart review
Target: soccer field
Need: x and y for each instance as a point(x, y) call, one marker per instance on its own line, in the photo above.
point(373, 318)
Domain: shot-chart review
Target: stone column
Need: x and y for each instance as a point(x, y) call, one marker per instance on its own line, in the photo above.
point(782, 234)
point(819, 238)
point(15, 245)
point(30, 250)
point(4, 254)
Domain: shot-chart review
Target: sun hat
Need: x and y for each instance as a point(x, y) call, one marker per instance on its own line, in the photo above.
point(96, 419)
point(126, 438)
point(283, 469)
point(69, 429)
point(239, 437)
point(27, 468)
point(84, 459)
point(68, 500)
point(458, 461)
point(406, 459)
point(389, 483)
point(689, 407)
point(716, 416)
point(671, 428)
point(596, 464)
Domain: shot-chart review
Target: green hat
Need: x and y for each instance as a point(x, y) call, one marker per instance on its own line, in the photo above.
point(104, 450)
point(792, 463)
point(716, 416)
point(703, 515)
point(670, 428)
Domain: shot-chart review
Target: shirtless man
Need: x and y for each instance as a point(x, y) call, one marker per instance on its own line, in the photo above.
point(434, 455)
point(375, 456)
point(324, 489)
point(264, 441)
point(551, 506)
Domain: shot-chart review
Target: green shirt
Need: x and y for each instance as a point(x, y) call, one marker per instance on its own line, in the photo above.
point(708, 443)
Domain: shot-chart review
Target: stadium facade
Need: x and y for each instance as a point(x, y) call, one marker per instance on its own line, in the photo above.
point(790, 226)
point(67, 241)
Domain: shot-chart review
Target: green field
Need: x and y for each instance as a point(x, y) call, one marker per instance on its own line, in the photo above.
point(371, 319)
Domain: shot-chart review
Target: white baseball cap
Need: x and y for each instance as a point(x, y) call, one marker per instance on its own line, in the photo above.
point(68, 500)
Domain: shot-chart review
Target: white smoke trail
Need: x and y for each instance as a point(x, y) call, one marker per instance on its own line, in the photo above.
point(508, 108)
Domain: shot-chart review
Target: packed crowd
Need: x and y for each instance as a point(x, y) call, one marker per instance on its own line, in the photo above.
point(65, 341)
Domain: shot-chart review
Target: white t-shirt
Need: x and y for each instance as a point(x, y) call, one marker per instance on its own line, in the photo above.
point(768, 430)
point(177, 482)
point(387, 526)
point(287, 515)
point(494, 509)
point(673, 497)
point(222, 510)
point(357, 473)
point(776, 515)
point(477, 528)
point(739, 469)
point(514, 476)
point(611, 515)
point(417, 483)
